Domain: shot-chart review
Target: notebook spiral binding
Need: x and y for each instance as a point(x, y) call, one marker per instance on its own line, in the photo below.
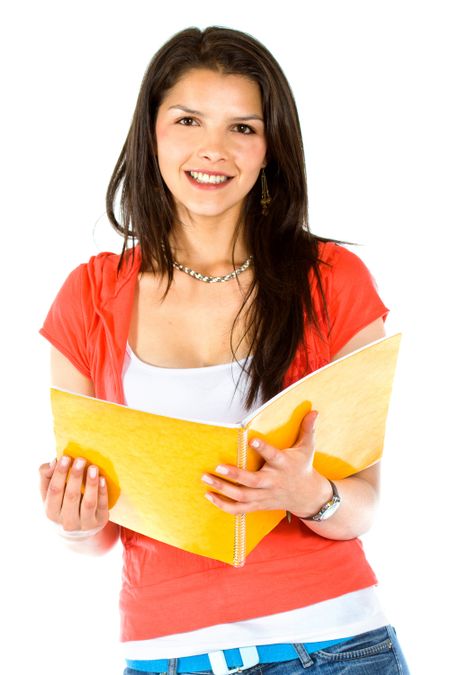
point(239, 524)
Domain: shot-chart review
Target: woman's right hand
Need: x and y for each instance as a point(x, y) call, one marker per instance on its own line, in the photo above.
point(65, 503)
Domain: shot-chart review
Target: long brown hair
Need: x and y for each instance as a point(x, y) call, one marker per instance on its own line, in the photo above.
point(284, 250)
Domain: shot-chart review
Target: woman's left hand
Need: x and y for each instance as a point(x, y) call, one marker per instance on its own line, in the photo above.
point(287, 480)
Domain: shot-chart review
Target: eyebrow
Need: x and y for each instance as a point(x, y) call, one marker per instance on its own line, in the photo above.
point(197, 112)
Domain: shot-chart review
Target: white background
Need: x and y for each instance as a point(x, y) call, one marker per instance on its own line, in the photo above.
point(371, 83)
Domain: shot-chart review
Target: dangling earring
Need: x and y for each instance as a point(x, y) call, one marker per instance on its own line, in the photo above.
point(265, 196)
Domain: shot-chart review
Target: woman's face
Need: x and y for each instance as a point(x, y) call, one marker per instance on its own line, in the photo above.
point(210, 142)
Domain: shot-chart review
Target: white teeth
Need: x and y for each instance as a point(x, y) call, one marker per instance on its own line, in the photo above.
point(207, 178)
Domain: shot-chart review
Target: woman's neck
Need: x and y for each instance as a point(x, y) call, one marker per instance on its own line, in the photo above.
point(208, 248)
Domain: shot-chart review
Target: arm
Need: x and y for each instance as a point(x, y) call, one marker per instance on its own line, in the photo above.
point(289, 481)
point(64, 503)
point(360, 492)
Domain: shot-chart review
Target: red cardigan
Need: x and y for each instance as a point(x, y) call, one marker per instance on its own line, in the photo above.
point(166, 590)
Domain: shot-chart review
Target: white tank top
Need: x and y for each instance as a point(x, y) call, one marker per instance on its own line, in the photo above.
point(208, 394)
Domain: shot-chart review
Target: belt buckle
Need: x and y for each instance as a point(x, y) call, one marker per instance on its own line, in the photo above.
point(219, 665)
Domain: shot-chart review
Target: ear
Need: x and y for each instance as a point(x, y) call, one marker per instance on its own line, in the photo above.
point(265, 162)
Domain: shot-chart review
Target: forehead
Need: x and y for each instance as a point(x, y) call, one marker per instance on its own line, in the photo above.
point(209, 88)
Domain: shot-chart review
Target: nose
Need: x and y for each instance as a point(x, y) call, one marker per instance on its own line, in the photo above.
point(213, 147)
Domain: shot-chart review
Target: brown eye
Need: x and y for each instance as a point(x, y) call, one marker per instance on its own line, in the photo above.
point(187, 121)
point(244, 129)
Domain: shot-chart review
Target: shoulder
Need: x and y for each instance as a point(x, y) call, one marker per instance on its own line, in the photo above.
point(341, 269)
point(101, 278)
point(350, 293)
point(94, 292)
point(337, 256)
point(107, 266)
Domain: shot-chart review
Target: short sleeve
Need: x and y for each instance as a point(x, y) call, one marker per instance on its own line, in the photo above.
point(352, 298)
point(66, 324)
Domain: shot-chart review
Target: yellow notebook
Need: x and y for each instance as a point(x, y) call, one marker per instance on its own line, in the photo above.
point(153, 464)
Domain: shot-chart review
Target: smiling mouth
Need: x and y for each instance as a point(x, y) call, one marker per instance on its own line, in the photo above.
point(207, 178)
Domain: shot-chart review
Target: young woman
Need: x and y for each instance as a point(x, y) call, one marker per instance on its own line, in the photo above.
point(221, 298)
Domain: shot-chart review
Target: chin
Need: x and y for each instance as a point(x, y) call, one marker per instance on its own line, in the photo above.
point(193, 212)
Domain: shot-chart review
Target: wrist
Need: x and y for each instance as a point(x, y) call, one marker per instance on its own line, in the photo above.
point(326, 503)
point(78, 535)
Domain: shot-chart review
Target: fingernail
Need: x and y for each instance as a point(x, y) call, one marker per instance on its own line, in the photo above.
point(255, 443)
point(222, 470)
point(209, 498)
point(102, 482)
point(65, 461)
point(79, 463)
point(52, 465)
point(92, 472)
point(207, 479)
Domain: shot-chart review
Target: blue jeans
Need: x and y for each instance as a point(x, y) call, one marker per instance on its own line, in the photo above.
point(374, 653)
